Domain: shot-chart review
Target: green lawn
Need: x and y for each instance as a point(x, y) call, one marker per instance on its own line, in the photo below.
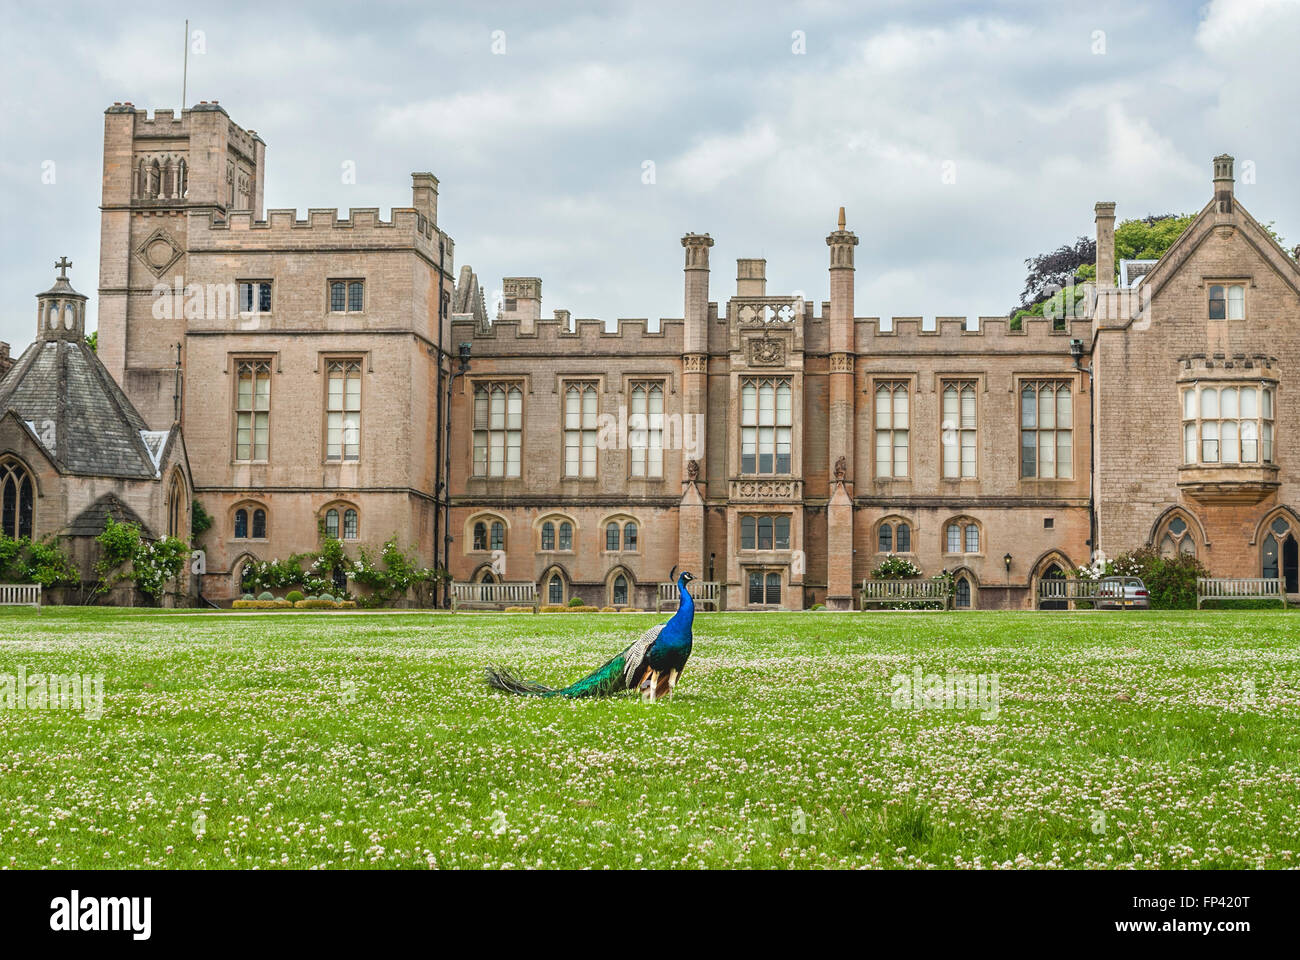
point(344, 740)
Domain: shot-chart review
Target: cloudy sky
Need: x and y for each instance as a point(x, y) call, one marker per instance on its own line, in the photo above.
point(961, 137)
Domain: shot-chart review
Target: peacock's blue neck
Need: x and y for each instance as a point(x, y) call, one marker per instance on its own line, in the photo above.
point(678, 629)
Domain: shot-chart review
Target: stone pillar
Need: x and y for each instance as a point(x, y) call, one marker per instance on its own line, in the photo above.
point(841, 417)
point(691, 551)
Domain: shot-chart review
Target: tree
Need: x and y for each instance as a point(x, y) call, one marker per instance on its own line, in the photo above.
point(1076, 263)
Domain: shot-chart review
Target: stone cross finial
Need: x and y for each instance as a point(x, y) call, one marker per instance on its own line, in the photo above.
point(62, 265)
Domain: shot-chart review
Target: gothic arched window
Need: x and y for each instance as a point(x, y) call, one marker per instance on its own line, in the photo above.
point(16, 500)
point(1177, 539)
point(176, 507)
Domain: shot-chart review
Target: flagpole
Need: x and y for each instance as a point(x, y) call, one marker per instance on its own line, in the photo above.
point(185, 71)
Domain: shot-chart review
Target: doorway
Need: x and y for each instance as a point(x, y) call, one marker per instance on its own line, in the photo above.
point(1053, 572)
point(1282, 555)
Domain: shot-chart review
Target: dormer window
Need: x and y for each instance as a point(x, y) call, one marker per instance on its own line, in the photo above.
point(1227, 301)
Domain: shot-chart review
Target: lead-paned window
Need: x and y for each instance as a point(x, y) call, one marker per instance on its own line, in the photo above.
point(1046, 430)
point(253, 410)
point(580, 417)
point(766, 431)
point(646, 429)
point(498, 429)
point(343, 410)
point(1228, 424)
point(892, 430)
point(958, 435)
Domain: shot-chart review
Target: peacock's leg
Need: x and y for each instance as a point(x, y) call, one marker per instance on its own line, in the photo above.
point(672, 681)
point(650, 686)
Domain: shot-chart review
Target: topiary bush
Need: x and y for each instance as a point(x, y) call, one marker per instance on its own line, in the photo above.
point(248, 596)
point(327, 596)
point(575, 601)
point(293, 596)
point(266, 595)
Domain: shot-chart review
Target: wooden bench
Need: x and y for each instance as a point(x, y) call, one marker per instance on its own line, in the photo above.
point(1066, 591)
point(1240, 588)
point(706, 593)
point(484, 593)
point(20, 595)
point(904, 591)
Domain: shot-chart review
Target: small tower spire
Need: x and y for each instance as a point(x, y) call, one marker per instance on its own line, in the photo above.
point(60, 310)
point(841, 219)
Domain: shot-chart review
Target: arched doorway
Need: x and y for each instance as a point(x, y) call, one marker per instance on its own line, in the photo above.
point(1281, 554)
point(1053, 571)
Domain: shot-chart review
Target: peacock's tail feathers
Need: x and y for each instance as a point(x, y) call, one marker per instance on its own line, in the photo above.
point(620, 673)
point(603, 682)
point(503, 679)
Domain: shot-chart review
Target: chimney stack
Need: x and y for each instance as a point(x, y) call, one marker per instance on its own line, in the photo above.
point(424, 195)
point(523, 301)
point(1105, 212)
point(1223, 183)
point(751, 278)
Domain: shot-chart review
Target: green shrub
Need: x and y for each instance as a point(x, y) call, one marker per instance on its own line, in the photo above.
point(1171, 581)
point(896, 568)
point(266, 595)
point(327, 596)
point(293, 596)
point(248, 596)
point(35, 561)
point(575, 601)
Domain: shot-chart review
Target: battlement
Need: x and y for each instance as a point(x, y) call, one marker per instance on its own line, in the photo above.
point(572, 337)
point(164, 122)
point(362, 225)
point(909, 333)
point(1194, 366)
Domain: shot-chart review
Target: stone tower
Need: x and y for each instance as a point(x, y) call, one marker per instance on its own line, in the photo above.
point(159, 172)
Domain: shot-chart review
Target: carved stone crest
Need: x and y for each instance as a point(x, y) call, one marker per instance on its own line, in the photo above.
point(841, 470)
point(692, 470)
point(766, 351)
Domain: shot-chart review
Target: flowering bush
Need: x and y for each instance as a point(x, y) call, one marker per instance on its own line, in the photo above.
point(388, 578)
point(125, 555)
point(896, 568)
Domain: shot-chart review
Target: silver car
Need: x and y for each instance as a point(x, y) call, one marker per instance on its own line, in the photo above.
point(1122, 593)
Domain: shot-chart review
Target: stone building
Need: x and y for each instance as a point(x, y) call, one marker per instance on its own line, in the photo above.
point(74, 449)
point(310, 346)
point(778, 446)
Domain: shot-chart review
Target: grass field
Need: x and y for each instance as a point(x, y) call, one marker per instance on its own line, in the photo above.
point(346, 740)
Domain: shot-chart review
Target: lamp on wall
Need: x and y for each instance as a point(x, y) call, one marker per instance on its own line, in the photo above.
point(1006, 561)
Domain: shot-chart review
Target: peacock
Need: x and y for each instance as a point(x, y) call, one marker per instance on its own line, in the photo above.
point(651, 665)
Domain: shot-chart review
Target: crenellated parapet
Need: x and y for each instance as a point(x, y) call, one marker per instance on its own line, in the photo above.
point(951, 335)
point(576, 338)
point(322, 227)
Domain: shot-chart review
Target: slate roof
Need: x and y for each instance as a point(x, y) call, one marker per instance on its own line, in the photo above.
point(79, 413)
point(90, 522)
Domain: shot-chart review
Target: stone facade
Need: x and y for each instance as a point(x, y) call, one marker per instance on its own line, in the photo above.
point(780, 447)
point(340, 320)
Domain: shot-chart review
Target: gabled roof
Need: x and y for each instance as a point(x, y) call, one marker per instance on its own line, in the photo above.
point(91, 521)
point(79, 414)
point(1202, 227)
